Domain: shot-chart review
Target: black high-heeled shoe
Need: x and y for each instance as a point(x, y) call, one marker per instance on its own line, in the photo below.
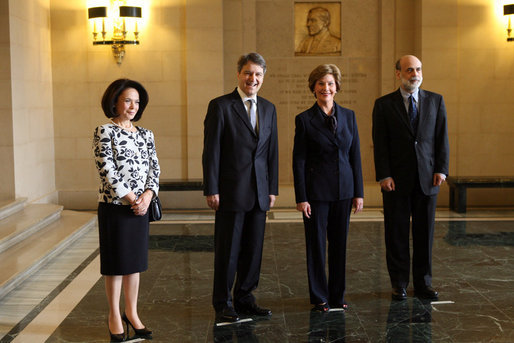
point(140, 333)
point(117, 337)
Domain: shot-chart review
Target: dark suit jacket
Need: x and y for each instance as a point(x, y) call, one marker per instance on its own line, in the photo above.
point(326, 167)
point(402, 155)
point(238, 164)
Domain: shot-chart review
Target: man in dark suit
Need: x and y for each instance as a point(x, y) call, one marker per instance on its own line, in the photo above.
point(240, 169)
point(410, 139)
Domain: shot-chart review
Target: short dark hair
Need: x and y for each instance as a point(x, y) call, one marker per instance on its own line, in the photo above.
point(398, 65)
point(322, 70)
point(251, 57)
point(112, 93)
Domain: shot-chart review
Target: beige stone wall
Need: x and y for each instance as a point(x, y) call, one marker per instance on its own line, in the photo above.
point(7, 191)
point(32, 110)
point(179, 61)
point(446, 35)
point(286, 83)
point(52, 78)
point(467, 59)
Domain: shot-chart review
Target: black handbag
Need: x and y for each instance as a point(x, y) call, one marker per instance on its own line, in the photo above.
point(155, 210)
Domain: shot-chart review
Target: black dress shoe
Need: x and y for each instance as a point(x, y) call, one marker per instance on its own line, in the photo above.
point(139, 333)
point(117, 337)
point(426, 293)
point(251, 309)
point(228, 314)
point(399, 293)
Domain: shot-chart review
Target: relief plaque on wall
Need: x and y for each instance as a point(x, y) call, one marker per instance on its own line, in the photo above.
point(317, 28)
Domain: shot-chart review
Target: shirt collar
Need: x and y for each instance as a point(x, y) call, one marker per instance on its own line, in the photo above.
point(245, 97)
point(406, 94)
point(334, 111)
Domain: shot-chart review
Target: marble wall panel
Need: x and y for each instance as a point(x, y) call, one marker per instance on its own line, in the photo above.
point(7, 191)
point(477, 61)
point(32, 107)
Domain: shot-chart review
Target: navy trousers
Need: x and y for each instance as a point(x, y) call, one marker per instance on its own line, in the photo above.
point(238, 240)
point(398, 209)
point(329, 220)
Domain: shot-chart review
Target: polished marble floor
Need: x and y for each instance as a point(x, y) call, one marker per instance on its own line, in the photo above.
point(473, 270)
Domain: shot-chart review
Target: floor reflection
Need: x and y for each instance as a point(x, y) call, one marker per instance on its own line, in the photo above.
point(412, 324)
point(182, 243)
point(472, 272)
point(327, 327)
point(476, 233)
point(240, 332)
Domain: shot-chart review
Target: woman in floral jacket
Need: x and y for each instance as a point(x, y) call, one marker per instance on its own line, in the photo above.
point(129, 178)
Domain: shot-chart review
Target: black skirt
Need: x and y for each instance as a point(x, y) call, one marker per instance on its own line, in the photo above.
point(123, 240)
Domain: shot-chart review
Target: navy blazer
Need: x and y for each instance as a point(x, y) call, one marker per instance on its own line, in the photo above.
point(327, 167)
point(238, 164)
point(402, 155)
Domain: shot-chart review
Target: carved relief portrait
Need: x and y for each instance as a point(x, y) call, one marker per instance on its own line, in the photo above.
point(317, 28)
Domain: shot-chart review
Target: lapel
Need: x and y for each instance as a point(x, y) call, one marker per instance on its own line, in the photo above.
point(261, 117)
point(424, 108)
point(340, 121)
point(240, 110)
point(319, 124)
point(401, 111)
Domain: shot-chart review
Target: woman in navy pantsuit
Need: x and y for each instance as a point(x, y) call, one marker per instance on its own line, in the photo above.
point(328, 182)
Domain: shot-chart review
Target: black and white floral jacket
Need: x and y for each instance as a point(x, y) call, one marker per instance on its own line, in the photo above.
point(127, 161)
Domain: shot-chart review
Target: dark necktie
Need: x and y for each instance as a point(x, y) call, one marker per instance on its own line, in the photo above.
point(413, 114)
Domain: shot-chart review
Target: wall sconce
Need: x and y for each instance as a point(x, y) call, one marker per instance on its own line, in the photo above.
point(509, 10)
point(116, 20)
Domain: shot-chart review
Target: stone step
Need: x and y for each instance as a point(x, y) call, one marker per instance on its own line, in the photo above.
point(23, 223)
point(9, 207)
point(23, 259)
